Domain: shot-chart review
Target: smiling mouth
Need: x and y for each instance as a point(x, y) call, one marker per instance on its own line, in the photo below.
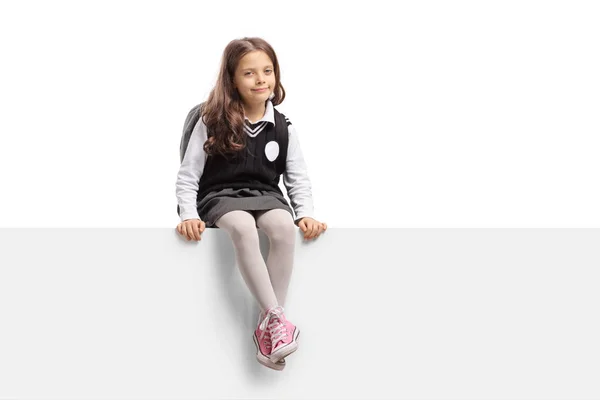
point(259, 90)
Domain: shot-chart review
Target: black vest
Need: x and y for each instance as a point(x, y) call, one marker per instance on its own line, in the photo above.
point(258, 166)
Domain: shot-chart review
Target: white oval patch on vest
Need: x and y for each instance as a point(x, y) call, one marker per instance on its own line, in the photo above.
point(272, 150)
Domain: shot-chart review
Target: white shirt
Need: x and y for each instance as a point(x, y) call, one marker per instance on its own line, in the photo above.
point(295, 177)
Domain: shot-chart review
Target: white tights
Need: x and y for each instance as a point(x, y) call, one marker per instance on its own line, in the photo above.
point(268, 282)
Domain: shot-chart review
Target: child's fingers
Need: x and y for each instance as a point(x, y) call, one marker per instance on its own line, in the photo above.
point(321, 229)
point(317, 231)
point(196, 231)
point(302, 225)
point(185, 229)
point(191, 229)
point(310, 231)
point(201, 228)
point(198, 228)
point(306, 231)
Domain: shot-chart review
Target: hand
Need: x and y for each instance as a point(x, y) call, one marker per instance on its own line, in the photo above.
point(191, 229)
point(311, 227)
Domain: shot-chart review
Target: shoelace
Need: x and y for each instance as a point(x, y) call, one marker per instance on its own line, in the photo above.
point(272, 323)
point(277, 330)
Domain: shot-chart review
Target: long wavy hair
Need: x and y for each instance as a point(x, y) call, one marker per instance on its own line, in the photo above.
point(223, 112)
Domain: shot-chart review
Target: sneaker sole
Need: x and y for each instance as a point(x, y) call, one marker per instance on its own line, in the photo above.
point(287, 349)
point(266, 361)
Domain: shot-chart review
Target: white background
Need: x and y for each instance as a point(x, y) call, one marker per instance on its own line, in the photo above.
point(417, 114)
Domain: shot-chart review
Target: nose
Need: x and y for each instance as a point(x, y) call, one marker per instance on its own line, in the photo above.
point(260, 79)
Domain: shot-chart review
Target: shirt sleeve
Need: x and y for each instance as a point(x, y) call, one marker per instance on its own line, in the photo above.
point(190, 171)
point(296, 180)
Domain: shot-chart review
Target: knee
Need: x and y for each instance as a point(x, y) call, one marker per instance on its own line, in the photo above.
point(281, 231)
point(244, 232)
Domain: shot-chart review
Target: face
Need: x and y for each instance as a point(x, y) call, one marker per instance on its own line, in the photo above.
point(254, 71)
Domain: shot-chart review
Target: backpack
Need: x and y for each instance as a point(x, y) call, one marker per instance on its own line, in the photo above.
point(281, 122)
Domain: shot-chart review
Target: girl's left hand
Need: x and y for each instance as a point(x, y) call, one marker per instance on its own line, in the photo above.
point(311, 227)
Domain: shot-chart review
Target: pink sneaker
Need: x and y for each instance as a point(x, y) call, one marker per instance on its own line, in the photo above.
point(284, 334)
point(262, 340)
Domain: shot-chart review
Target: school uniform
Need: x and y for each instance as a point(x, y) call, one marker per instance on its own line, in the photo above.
point(208, 187)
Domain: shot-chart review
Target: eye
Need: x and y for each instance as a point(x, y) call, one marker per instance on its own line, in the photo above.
point(269, 71)
point(248, 73)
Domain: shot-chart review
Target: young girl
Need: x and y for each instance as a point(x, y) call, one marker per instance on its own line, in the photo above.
point(229, 177)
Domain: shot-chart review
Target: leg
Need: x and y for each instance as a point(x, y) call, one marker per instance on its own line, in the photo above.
point(241, 227)
point(279, 226)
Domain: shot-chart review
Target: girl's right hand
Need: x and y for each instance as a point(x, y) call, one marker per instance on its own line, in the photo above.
point(191, 229)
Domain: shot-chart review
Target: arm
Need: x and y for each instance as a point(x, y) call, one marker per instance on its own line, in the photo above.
point(190, 172)
point(296, 180)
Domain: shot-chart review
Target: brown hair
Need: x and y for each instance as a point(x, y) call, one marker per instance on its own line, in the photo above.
point(223, 112)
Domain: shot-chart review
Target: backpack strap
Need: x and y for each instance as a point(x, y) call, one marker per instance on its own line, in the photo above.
point(188, 126)
point(281, 128)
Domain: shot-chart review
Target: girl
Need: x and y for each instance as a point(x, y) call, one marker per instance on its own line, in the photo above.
point(229, 178)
